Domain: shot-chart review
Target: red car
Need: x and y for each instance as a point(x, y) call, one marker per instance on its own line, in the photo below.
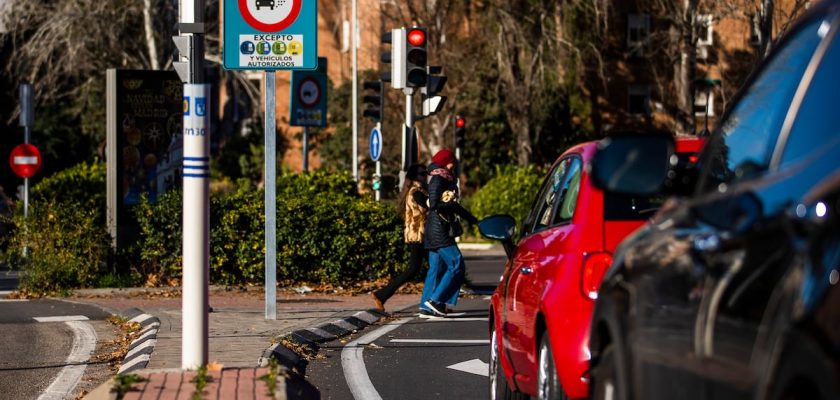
point(541, 310)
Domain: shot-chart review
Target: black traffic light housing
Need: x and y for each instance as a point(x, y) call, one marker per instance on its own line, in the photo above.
point(416, 56)
point(387, 38)
point(460, 131)
point(374, 101)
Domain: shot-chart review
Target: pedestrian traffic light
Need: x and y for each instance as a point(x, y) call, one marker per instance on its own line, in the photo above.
point(373, 101)
point(432, 103)
point(377, 182)
point(395, 56)
point(460, 130)
point(415, 57)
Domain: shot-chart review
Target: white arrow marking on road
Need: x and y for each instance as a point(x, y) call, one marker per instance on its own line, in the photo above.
point(455, 319)
point(451, 341)
point(475, 366)
point(61, 318)
point(25, 160)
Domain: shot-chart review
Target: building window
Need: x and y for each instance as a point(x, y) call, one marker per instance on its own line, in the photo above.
point(701, 106)
point(638, 99)
point(638, 30)
point(705, 30)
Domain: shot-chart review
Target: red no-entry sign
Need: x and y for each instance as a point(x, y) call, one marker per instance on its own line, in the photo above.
point(25, 160)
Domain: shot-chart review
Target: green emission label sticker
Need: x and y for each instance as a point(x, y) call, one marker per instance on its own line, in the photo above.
point(268, 50)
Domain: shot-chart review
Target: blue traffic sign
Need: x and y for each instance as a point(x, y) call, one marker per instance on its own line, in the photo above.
point(270, 34)
point(309, 96)
point(375, 144)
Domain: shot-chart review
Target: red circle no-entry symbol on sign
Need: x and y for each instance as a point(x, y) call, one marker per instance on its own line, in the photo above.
point(25, 160)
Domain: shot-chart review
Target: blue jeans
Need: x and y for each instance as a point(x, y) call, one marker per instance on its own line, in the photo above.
point(445, 276)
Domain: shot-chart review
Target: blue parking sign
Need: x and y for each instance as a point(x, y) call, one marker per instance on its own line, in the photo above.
point(270, 34)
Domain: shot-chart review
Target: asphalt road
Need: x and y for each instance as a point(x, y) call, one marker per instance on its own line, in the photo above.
point(416, 358)
point(32, 353)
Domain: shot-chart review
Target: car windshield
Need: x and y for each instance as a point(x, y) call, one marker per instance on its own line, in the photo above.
point(745, 140)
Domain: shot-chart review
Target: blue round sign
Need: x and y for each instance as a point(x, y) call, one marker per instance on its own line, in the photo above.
point(375, 144)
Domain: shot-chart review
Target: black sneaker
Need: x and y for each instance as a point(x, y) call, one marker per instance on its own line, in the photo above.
point(437, 308)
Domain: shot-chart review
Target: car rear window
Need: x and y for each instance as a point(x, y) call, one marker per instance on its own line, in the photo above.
point(620, 207)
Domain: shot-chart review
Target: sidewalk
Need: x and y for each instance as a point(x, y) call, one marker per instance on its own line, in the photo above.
point(239, 333)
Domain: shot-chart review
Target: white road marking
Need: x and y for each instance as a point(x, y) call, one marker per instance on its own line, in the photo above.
point(11, 300)
point(474, 366)
point(465, 319)
point(353, 364)
point(84, 343)
point(456, 341)
point(61, 318)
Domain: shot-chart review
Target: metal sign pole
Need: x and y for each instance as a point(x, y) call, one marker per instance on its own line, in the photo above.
point(27, 118)
point(270, 198)
point(355, 158)
point(306, 148)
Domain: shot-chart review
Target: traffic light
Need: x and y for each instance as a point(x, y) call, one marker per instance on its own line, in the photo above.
point(395, 57)
point(432, 103)
point(386, 57)
point(460, 130)
point(415, 57)
point(373, 102)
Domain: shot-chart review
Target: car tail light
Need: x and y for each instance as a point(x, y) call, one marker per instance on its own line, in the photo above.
point(594, 267)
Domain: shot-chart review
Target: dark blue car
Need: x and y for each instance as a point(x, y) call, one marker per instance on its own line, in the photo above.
point(731, 292)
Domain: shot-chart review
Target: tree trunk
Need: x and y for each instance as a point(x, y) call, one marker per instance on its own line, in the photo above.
point(685, 68)
point(150, 34)
point(765, 27)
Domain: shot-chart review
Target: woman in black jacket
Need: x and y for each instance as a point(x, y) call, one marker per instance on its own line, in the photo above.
point(446, 264)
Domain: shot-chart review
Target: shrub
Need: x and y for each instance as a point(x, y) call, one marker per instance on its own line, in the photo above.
point(66, 247)
point(319, 182)
point(82, 184)
point(511, 191)
point(325, 233)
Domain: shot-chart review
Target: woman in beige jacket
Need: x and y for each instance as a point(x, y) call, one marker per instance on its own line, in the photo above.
point(413, 206)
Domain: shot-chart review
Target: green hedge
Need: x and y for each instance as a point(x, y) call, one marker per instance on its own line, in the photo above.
point(511, 191)
point(326, 232)
point(83, 184)
point(67, 247)
point(65, 235)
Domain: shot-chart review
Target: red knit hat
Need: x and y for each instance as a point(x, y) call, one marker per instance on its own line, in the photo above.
point(444, 157)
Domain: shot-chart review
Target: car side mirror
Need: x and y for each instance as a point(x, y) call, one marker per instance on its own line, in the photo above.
point(634, 164)
point(501, 228)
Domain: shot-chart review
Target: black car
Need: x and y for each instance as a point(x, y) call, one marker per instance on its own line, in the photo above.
point(732, 293)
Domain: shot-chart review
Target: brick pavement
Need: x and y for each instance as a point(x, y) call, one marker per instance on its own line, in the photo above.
point(239, 333)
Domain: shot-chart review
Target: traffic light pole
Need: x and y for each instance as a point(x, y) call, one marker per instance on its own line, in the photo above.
point(407, 129)
point(378, 167)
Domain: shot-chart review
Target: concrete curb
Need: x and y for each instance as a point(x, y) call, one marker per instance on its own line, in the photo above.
point(140, 350)
point(313, 337)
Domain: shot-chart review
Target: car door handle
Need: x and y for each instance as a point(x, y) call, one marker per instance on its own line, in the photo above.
point(525, 270)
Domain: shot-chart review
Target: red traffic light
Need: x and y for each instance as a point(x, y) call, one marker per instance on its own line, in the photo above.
point(416, 37)
point(460, 122)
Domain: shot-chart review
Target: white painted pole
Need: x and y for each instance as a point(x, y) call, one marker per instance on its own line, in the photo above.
point(196, 195)
point(355, 106)
point(270, 198)
point(196, 226)
point(378, 174)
